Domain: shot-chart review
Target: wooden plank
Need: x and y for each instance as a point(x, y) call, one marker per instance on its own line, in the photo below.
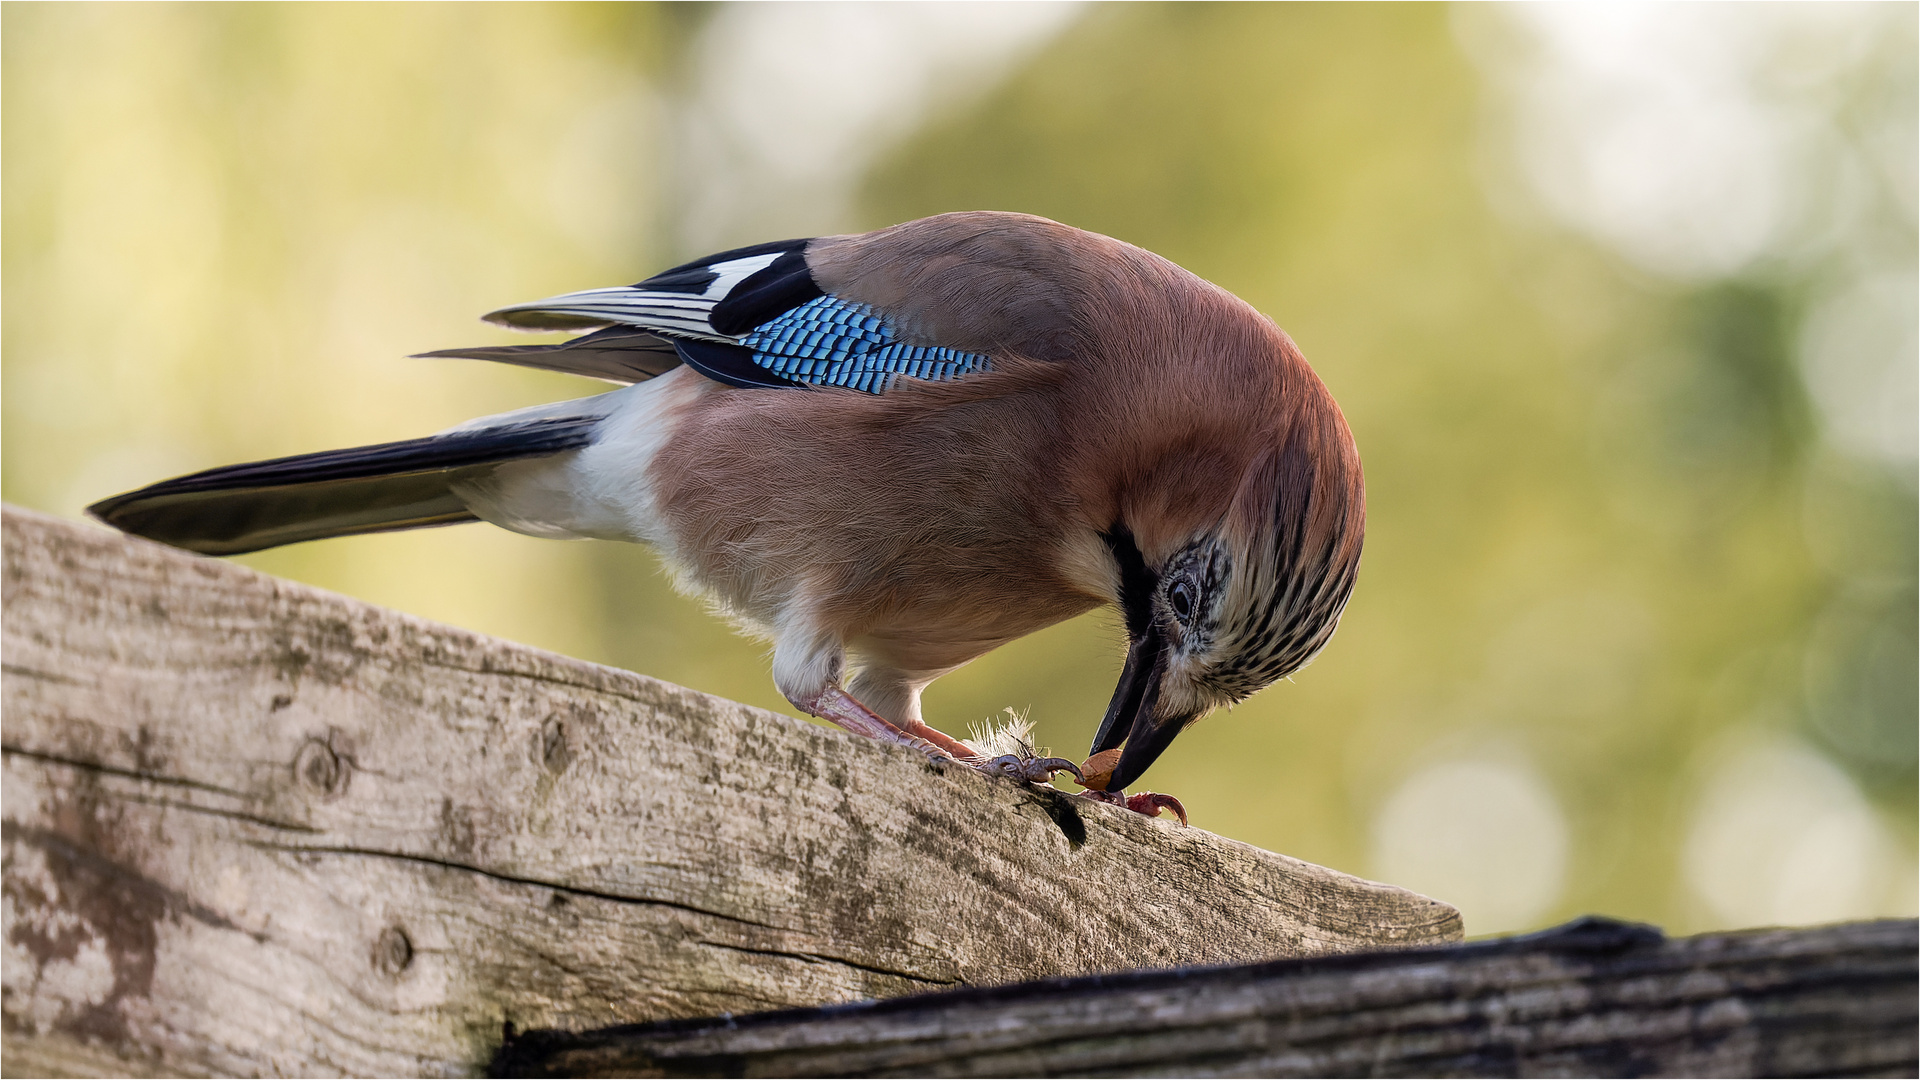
point(252, 827)
point(1593, 998)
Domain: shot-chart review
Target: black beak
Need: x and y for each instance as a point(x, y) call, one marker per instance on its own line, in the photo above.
point(1131, 717)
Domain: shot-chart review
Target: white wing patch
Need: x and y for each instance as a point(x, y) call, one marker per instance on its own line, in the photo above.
point(734, 271)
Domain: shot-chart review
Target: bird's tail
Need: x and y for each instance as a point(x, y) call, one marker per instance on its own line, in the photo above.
point(398, 485)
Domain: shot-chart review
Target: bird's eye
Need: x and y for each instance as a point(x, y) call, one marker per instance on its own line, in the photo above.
point(1181, 597)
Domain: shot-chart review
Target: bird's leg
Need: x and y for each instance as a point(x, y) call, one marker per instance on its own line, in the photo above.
point(807, 668)
point(889, 692)
point(955, 749)
point(836, 705)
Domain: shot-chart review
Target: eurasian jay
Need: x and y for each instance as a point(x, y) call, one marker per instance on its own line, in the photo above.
point(890, 453)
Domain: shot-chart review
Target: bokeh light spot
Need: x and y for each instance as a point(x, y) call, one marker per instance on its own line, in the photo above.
point(1781, 836)
point(1486, 836)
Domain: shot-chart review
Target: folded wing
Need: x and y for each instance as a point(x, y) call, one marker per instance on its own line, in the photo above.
point(752, 317)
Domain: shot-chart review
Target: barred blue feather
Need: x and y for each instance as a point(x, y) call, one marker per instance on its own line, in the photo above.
point(832, 342)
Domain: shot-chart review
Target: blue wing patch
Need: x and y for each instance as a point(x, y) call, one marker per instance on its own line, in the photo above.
point(831, 342)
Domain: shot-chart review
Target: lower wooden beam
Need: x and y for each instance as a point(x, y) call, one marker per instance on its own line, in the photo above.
point(1592, 998)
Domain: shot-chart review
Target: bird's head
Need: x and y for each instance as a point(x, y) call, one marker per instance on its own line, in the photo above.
point(1225, 596)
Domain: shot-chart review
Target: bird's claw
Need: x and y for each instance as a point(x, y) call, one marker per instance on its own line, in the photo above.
point(1032, 770)
point(1149, 803)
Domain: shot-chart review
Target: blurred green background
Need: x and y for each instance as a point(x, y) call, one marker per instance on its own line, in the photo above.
point(1620, 304)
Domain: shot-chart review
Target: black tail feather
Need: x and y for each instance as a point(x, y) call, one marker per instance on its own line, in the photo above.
point(398, 485)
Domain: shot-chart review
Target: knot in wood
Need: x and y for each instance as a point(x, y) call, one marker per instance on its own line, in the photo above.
point(552, 745)
point(392, 951)
point(318, 769)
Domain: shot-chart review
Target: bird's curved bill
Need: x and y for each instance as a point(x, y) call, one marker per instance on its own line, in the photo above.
point(1134, 717)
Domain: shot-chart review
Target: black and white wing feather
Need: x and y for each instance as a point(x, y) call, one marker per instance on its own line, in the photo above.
point(681, 302)
point(751, 317)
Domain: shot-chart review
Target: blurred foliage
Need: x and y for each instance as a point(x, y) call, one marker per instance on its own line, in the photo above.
point(1603, 530)
point(227, 225)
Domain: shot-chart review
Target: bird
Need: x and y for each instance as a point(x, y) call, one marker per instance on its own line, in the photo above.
point(890, 453)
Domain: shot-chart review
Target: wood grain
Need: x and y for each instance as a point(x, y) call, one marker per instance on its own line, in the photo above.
point(252, 827)
point(1593, 998)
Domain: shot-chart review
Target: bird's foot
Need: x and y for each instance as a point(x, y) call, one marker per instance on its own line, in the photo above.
point(842, 708)
point(1006, 749)
point(1149, 803)
point(1032, 770)
point(1099, 770)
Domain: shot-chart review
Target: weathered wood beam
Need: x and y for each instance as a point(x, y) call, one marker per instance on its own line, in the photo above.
point(1593, 998)
point(252, 827)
